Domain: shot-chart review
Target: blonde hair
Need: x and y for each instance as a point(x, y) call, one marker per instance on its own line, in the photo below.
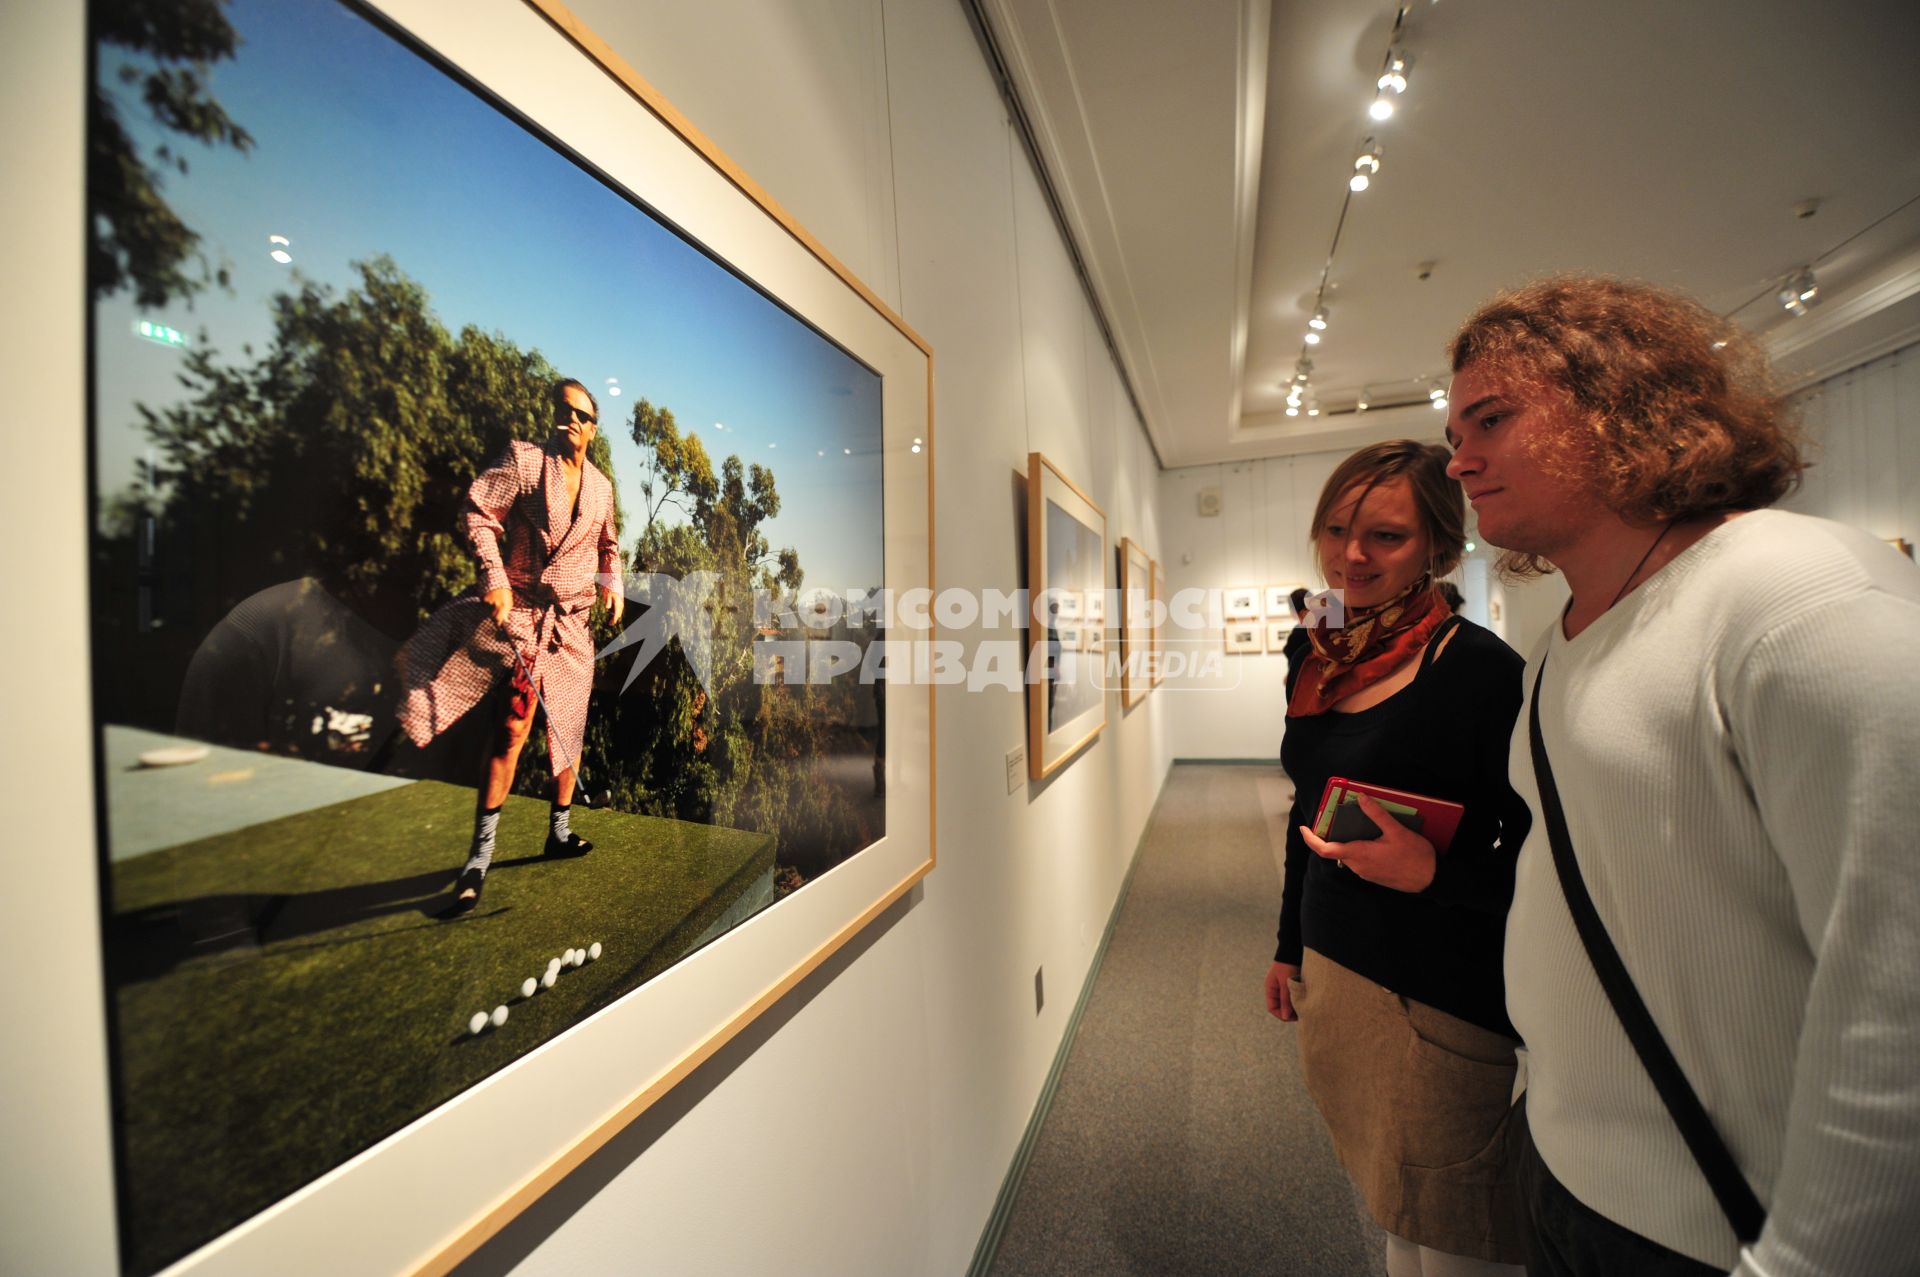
point(1441, 504)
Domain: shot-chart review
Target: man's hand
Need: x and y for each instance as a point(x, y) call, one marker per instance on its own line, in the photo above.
point(1279, 995)
point(615, 602)
point(501, 601)
point(1398, 858)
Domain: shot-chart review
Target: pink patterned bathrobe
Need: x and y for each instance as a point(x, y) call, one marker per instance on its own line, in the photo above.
point(525, 539)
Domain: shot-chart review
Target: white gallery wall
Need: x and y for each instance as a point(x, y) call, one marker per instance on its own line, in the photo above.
point(1864, 428)
point(865, 1127)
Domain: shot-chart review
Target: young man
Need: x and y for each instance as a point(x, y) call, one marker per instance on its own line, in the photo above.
point(1730, 713)
point(540, 522)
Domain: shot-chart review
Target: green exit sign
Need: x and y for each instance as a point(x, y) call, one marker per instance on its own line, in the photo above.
point(161, 333)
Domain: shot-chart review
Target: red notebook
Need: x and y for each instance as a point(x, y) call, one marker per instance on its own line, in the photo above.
point(1436, 819)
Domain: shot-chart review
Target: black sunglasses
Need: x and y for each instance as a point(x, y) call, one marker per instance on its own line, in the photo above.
point(571, 413)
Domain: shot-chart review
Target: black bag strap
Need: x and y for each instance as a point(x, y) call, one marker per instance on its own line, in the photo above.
point(1737, 1201)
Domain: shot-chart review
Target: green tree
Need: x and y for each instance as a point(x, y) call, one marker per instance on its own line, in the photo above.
point(135, 237)
point(674, 468)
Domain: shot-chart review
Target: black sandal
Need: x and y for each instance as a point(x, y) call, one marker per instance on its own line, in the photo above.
point(574, 845)
point(470, 880)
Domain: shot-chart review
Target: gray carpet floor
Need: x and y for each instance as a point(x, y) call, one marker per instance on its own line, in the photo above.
point(1180, 1139)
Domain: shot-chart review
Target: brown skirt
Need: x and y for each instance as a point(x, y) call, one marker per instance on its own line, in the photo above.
point(1416, 1101)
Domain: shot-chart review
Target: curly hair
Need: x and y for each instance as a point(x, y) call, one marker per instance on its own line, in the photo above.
point(1442, 505)
point(1672, 410)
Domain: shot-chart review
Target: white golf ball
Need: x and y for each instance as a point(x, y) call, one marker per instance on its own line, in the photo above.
point(527, 986)
point(499, 1015)
point(553, 964)
point(594, 951)
point(568, 960)
point(546, 981)
point(478, 1022)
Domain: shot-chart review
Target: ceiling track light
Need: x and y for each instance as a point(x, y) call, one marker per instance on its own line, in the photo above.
point(1394, 78)
point(1319, 321)
point(1799, 292)
point(1365, 165)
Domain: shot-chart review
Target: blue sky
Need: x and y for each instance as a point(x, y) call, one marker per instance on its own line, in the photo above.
point(361, 148)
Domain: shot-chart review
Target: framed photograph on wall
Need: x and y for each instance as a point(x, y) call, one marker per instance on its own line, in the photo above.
point(1136, 640)
point(1240, 603)
point(1157, 622)
point(416, 577)
point(1245, 637)
point(1280, 600)
point(1277, 632)
point(1066, 565)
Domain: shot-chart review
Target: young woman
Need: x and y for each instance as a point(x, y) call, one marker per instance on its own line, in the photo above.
point(1390, 952)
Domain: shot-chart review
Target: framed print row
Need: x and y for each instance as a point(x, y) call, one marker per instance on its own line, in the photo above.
point(432, 834)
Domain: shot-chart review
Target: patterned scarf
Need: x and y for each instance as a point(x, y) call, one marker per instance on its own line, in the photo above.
point(1375, 642)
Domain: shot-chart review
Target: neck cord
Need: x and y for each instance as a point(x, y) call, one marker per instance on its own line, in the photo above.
point(1642, 563)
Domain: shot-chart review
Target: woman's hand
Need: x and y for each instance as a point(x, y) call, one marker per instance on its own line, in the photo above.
point(1279, 995)
point(501, 601)
point(1398, 858)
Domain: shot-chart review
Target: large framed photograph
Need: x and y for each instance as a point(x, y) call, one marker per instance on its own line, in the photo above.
point(1157, 621)
point(1066, 566)
point(488, 526)
point(1136, 640)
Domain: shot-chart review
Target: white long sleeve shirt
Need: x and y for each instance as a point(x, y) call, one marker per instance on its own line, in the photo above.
point(1737, 747)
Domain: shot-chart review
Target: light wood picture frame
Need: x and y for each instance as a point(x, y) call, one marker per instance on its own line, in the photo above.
point(1066, 564)
point(1245, 638)
point(1279, 599)
point(467, 1166)
point(1240, 603)
point(1136, 635)
point(1157, 624)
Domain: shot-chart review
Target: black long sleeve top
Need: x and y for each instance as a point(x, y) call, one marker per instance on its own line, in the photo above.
point(1446, 734)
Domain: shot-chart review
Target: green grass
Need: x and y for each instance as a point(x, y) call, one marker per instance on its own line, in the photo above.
point(289, 994)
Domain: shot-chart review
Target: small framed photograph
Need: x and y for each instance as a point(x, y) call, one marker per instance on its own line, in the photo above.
point(1277, 632)
point(1280, 599)
point(1245, 638)
point(1240, 603)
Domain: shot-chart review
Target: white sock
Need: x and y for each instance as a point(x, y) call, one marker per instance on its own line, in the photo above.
point(485, 823)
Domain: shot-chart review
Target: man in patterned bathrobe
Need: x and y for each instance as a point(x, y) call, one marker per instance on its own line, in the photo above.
point(540, 521)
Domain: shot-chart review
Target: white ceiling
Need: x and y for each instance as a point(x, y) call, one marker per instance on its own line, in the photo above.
point(1200, 151)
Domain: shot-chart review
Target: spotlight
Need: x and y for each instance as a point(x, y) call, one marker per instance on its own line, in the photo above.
point(1382, 108)
point(1319, 321)
point(1394, 78)
point(1312, 338)
point(1365, 165)
point(1292, 410)
point(1799, 292)
point(1436, 393)
point(1441, 403)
